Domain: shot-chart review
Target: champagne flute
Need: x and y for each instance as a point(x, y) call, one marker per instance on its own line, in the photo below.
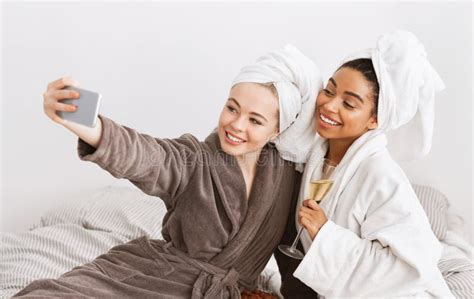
point(319, 186)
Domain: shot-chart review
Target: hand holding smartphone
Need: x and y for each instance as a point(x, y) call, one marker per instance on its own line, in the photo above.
point(87, 105)
point(74, 108)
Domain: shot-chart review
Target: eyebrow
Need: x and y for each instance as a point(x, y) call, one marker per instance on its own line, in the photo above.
point(347, 92)
point(254, 113)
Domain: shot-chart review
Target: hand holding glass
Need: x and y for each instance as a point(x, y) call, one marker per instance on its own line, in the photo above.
point(320, 184)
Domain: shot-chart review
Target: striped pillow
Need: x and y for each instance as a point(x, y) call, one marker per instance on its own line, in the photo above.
point(435, 205)
point(126, 211)
point(459, 276)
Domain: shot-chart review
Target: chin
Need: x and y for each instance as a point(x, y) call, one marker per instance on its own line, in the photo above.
point(231, 151)
point(320, 132)
point(227, 149)
point(324, 136)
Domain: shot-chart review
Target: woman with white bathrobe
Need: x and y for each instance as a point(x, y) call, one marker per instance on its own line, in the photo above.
point(369, 236)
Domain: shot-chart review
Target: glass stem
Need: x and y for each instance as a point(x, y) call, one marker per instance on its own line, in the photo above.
point(295, 242)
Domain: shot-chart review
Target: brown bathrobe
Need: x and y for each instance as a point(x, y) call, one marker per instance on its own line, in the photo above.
point(216, 242)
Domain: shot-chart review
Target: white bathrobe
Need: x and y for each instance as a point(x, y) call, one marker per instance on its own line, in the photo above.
point(377, 241)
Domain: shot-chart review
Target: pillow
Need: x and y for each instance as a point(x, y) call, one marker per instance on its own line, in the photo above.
point(459, 275)
point(435, 205)
point(70, 212)
point(124, 210)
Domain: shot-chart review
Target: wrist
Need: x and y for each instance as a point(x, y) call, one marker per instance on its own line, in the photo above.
point(316, 231)
point(91, 136)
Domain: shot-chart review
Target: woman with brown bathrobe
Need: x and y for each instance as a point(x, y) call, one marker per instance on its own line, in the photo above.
point(227, 197)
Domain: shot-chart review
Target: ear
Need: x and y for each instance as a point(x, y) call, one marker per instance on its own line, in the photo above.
point(372, 124)
point(273, 137)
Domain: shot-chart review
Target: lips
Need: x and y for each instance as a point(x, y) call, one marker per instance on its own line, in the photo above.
point(231, 138)
point(329, 121)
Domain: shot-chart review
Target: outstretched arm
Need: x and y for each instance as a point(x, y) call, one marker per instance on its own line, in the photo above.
point(159, 167)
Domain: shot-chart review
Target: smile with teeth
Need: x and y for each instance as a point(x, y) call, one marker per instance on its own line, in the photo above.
point(233, 138)
point(328, 121)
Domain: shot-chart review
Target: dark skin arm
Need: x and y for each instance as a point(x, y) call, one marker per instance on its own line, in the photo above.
point(312, 217)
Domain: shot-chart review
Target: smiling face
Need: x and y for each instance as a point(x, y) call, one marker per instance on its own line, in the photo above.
point(249, 119)
point(345, 108)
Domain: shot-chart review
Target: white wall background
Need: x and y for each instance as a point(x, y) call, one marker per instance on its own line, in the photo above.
point(165, 69)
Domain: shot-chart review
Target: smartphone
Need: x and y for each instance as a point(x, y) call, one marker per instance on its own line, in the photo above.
point(87, 107)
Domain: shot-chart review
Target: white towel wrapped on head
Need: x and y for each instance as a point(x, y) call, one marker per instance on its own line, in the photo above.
point(408, 84)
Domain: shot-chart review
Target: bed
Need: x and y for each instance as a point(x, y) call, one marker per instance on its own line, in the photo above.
point(75, 234)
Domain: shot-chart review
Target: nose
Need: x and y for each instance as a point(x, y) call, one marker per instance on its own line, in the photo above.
point(332, 105)
point(238, 124)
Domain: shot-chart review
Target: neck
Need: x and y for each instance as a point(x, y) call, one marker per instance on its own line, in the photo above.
point(248, 162)
point(337, 149)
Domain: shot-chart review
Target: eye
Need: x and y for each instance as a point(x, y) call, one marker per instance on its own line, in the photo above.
point(255, 122)
point(231, 109)
point(348, 105)
point(328, 92)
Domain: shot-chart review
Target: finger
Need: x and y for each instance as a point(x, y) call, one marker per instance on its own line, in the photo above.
point(308, 203)
point(65, 94)
point(310, 208)
point(304, 221)
point(313, 205)
point(63, 82)
point(61, 121)
point(306, 210)
point(307, 224)
point(300, 219)
point(306, 214)
point(311, 228)
point(64, 107)
point(57, 119)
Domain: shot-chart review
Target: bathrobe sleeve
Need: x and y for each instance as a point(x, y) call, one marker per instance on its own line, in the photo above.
point(159, 167)
point(395, 253)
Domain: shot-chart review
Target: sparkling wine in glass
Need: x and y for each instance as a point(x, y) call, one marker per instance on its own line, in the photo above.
point(319, 186)
point(318, 189)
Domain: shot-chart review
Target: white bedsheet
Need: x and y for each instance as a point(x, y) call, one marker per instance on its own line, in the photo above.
point(75, 234)
point(72, 235)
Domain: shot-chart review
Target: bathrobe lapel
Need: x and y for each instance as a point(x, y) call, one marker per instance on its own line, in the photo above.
point(264, 214)
point(256, 209)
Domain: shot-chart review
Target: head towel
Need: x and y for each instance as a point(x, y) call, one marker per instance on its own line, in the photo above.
point(408, 84)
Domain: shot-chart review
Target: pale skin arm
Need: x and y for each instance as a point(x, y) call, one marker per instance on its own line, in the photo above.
point(52, 103)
